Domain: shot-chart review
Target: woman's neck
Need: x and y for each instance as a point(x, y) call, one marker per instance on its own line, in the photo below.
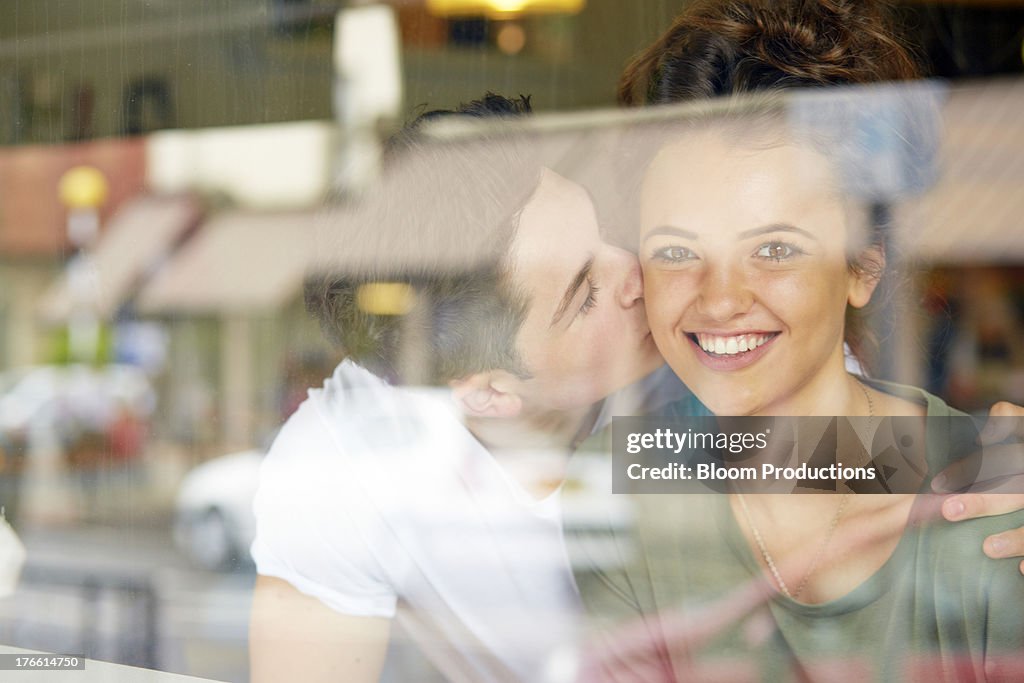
point(833, 392)
point(855, 538)
point(796, 529)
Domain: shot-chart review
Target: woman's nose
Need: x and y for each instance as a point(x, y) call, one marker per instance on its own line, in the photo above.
point(724, 293)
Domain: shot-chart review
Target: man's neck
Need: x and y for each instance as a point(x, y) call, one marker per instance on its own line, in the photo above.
point(554, 430)
point(553, 434)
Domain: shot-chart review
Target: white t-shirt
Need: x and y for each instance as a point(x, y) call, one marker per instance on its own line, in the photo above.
point(375, 497)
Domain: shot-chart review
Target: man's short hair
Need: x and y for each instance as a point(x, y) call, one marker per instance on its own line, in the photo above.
point(490, 106)
point(442, 223)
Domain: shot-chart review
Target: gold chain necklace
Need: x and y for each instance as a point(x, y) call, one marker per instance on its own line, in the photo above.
point(763, 547)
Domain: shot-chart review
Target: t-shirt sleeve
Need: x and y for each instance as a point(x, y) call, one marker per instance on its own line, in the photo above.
point(1003, 588)
point(315, 527)
point(978, 599)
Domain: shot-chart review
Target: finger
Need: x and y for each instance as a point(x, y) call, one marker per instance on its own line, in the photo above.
point(1004, 420)
point(617, 670)
point(1006, 544)
point(627, 653)
point(980, 468)
point(641, 648)
point(973, 505)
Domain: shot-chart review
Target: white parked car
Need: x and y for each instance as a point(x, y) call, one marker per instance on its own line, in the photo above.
point(213, 519)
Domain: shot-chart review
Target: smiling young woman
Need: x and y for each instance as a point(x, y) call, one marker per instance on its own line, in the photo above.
point(752, 257)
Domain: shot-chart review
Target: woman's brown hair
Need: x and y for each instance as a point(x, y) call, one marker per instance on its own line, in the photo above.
point(727, 47)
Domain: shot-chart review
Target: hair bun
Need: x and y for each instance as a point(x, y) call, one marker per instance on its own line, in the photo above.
point(730, 46)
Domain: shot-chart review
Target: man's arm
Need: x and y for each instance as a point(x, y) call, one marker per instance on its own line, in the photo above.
point(998, 470)
point(294, 637)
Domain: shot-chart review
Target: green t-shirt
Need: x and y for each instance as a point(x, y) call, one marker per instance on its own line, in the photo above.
point(938, 609)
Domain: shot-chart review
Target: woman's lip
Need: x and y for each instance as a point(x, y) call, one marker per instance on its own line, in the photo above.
point(728, 363)
point(731, 333)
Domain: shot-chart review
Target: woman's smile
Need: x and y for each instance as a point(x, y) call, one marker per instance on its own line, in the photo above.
point(731, 351)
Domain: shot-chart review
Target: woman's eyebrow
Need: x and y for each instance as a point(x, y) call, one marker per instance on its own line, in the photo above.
point(670, 230)
point(776, 227)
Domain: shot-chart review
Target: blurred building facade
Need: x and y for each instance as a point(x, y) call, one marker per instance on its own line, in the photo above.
point(206, 77)
point(114, 68)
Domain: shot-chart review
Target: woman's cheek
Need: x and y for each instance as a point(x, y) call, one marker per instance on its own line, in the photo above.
point(666, 296)
point(822, 280)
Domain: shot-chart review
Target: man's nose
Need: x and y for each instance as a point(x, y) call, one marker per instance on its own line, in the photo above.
point(631, 291)
point(724, 292)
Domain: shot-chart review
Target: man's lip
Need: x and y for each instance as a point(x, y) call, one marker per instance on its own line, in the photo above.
point(728, 363)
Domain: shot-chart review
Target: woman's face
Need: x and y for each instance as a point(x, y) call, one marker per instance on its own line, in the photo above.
point(744, 256)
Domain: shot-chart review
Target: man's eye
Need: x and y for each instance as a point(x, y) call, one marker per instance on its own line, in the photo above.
point(591, 300)
point(777, 251)
point(673, 254)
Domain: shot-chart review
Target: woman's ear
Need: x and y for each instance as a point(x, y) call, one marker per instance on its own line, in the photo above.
point(479, 396)
point(865, 273)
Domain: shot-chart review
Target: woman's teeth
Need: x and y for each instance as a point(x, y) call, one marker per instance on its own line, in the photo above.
point(730, 346)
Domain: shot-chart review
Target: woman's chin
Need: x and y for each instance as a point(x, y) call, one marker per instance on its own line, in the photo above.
point(731, 405)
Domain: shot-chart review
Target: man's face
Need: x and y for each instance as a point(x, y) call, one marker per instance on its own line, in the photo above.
point(585, 334)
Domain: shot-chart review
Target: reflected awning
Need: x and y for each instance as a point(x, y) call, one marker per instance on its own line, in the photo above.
point(974, 212)
point(137, 238)
point(239, 262)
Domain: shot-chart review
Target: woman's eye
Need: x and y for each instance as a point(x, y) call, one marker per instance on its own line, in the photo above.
point(777, 251)
point(673, 254)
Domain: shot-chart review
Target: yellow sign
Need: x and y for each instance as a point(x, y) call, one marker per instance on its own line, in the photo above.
point(83, 187)
point(385, 298)
point(502, 9)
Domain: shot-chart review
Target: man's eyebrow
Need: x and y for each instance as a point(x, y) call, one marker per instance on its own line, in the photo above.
point(776, 227)
point(570, 292)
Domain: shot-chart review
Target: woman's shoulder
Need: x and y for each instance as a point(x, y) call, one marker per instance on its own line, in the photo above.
point(971, 585)
point(915, 399)
point(950, 434)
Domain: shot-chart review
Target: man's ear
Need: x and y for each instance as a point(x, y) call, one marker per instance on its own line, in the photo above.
point(479, 395)
point(865, 275)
